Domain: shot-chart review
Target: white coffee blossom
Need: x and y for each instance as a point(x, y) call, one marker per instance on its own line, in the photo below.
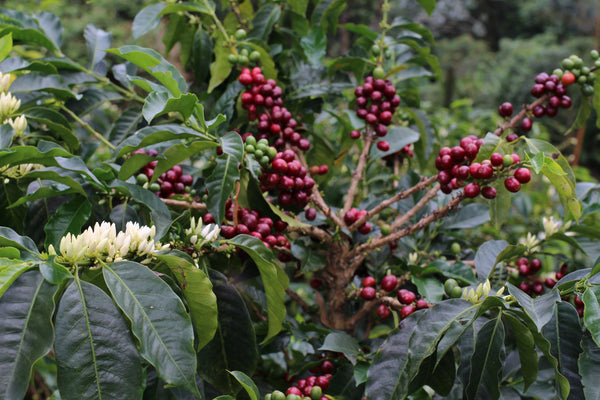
point(4, 82)
point(8, 106)
point(103, 243)
point(413, 258)
point(198, 236)
point(531, 241)
point(19, 124)
point(476, 295)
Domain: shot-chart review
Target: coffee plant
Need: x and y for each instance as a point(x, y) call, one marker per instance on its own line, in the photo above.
point(255, 218)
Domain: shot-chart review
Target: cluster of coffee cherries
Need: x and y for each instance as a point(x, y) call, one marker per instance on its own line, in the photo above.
point(169, 183)
point(556, 90)
point(264, 104)
point(389, 283)
point(353, 215)
point(456, 166)
point(312, 387)
point(452, 288)
point(287, 178)
point(577, 72)
point(250, 222)
point(377, 101)
point(527, 269)
point(262, 152)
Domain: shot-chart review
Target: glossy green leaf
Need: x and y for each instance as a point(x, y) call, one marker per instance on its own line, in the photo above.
point(489, 146)
point(563, 331)
point(26, 331)
point(430, 288)
point(220, 68)
point(539, 309)
point(96, 355)
point(234, 346)
point(34, 81)
point(458, 270)
point(51, 26)
point(486, 257)
point(147, 19)
point(589, 367)
point(264, 20)
point(10, 238)
point(6, 44)
point(398, 137)
point(28, 35)
point(220, 184)
point(54, 273)
point(428, 5)
point(158, 320)
point(97, 42)
point(68, 218)
point(10, 270)
point(153, 63)
point(159, 103)
point(591, 311)
point(201, 300)
point(42, 154)
point(178, 153)
point(55, 122)
point(311, 257)
point(161, 217)
point(486, 362)
point(526, 348)
point(203, 6)
point(341, 342)
point(247, 383)
point(314, 46)
point(275, 280)
point(91, 99)
point(331, 13)
point(125, 125)
point(499, 205)
point(583, 113)
point(150, 135)
point(468, 216)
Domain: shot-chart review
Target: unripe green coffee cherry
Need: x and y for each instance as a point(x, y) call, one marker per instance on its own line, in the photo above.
point(277, 395)
point(243, 60)
point(376, 50)
point(378, 73)
point(264, 161)
point(316, 392)
point(387, 54)
point(386, 229)
point(268, 396)
point(240, 34)
point(587, 90)
point(455, 247)
point(258, 153)
point(567, 63)
point(233, 59)
point(582, 79)
point(456, 292)
point(594, 54)
point(250, 148)
point(155, 187)
point(449, 285)
point(140, 179)
point(251, 140)
point(244, 52)
point(558, 72)
point(271, 152)
point(254, 56)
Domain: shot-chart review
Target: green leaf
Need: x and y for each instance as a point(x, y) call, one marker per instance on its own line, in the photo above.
point(539, 309)
point(197, 289)
point(178, 153)
point(247, 384)
point(526, 348)
point(234, 346)
point(221, 67)
point(558, 170)
point(583, 113)
point(489, 146)
point(264, 20)
point(591, 311)
point(10, 238)
point(91, 99)
point(35, 81)
point(458, 270)
point(468, 216)
point(331, 10)
point(398, 137)
point(51, 26)
point(68, 218)
point(159, 103)
point(95, 353)
point(220, 184)
point(55, 123)
point(26, 331)
point(428, 5)
point(343, 343)
point(6, 45)
point(147, 19)
point(158, 320)
point(150, 135)
point(275, 280)
point(125, 125)
point(589, 367)
point(314, 46)
point(266, 62)
point(10, 270)
point(311, 257)
point(430, 288)
point(97, 42)
point(486, 257)
point(53, 272)
point(28, 35)
point(154, 64)
point(499, 205)
point(564, 334)
point(486, 362)
point(161, 216)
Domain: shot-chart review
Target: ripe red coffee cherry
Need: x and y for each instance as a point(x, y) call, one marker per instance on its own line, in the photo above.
point(526, 124)
point(524, 269)
point(383, 145)
point(365, 229)
point(537, 288)
point(538, 111)
point(323, 169)
point(355, 134)
point(389, 282)
point(245, 79)
point(351, 216)
point(406, 296)
point(525, 286)
point(368, 293)
point(385, 117)
point(383, 311)
point(472, 190)
point(535, 264)
point(327, 367)
point(187, 180)
point(505, 109)
point(550, 282)
point(421, 304)
point(567, 78)
point(310, 214)
point(489, 192)
point(565, 102)
point(523, 175)
point(511, 137)
point(496, 159)
point(369, 281)
point(512, 184)
point(538, 90)
point(406, 311)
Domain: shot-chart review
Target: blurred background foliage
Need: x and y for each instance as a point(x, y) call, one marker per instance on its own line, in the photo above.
point(489, 50)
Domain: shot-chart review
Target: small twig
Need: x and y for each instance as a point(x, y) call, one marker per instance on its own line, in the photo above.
point(403, 219)
point(313, 231)
point(88, 128)
point(185, 204)
point(296, 297)
point(358, 173)
point(511, 123)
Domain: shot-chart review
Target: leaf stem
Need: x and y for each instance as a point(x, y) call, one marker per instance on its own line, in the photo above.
point(88, 128)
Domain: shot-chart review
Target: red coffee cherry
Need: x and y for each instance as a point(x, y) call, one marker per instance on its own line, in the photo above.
point(512, 184)
point(368, 293)
point(489, 192)
point(369, 281)
point(383, 311)
point(383, 145)
point(389, 282)
point(406, 311)
point(523, 175)
point(505, 109)
point(421, 304)
point(526, 124)
point(406, 296)
point(472, 190)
